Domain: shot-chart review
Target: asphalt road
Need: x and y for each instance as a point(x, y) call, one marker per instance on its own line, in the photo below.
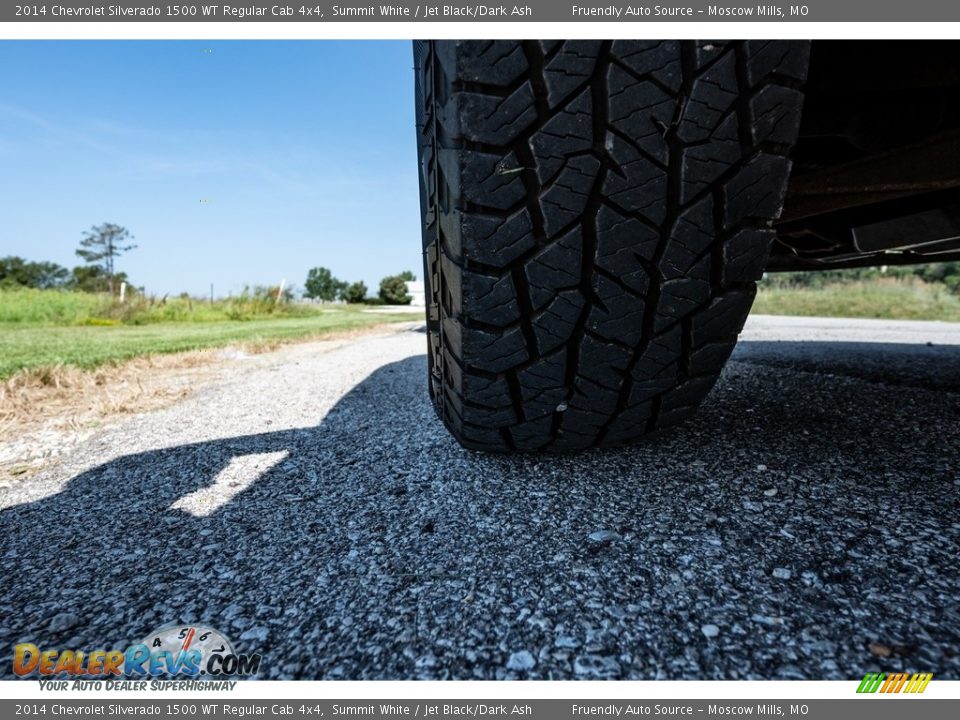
point(312, 508)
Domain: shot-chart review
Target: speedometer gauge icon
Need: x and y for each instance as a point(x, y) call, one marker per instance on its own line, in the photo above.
point(183, 638)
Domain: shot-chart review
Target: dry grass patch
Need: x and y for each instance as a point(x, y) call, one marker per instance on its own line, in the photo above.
point(46, 410)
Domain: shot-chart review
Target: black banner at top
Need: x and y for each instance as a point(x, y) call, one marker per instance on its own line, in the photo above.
point(530, 11)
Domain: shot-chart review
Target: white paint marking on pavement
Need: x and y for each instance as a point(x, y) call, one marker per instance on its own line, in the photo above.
point(233, 479)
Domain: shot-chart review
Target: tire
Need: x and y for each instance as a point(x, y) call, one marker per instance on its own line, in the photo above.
point(595, 218)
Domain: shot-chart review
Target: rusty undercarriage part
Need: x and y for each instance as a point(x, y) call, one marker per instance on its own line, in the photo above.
point(897, 207)
point(902, 234)
point(924, 167)
point(877, 168)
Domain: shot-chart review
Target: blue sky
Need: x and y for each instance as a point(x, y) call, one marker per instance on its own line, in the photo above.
point(231, 162)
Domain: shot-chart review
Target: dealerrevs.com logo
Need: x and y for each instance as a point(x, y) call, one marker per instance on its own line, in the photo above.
point(184, 650)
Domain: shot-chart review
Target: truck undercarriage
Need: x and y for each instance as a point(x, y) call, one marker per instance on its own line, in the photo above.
point(876, 168)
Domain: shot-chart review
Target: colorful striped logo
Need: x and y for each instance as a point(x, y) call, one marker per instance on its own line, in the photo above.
point(894, 682)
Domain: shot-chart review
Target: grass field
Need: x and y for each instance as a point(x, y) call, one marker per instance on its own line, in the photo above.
point(885, 298)
point(40, 329)
point(27, 306)
point(50, 328)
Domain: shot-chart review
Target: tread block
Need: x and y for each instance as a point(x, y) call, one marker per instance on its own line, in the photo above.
point(554, 268)
point(495, 241)
point(709, 50)
point(483, 180)
point(641, 110)
point(542, 385)
point(688, 394)
point(572, 66)
point(602, 361)
point(745, 255)
point(710, 358)
point(556, 324)
point(789, 58)
point(490, 119)
point(493, 62)
point(532, 434)
point(493, 417)
point(640, 186)
point(629, 425)
point(491, 300)
point(712, 97)
point(623, 244)
point(492, 352)
point(757, 190)
point(776, 114)
point(658, 356)
point(693, 235)
point(593, 398)
point(567, 133)
point(680, 297)
point(482, 438)
point(565, 200)
point(672, 418)
point(659, 60)
point(703, 163)
point(549, 46)
point(618, 315)
point(723, 318)
point(492, 392)
point(653, 385)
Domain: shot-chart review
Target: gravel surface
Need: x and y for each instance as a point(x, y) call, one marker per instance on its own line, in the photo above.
point(311, 507)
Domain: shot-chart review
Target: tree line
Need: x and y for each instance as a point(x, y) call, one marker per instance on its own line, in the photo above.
point(323, 286)
point(103, 244)
point(100, 246)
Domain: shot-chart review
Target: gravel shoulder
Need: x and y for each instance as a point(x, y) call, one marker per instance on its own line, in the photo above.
point(804, 525)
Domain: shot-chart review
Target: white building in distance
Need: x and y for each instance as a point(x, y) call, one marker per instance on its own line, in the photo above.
point(416, 291)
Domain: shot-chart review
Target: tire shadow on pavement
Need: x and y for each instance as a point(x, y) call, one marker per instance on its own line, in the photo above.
point(803, 526)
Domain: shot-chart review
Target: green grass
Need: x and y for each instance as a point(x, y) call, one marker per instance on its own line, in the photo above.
point(45, 328)
point(887, 299)
point(51, 328)
point(62, 307)
point(26, 305)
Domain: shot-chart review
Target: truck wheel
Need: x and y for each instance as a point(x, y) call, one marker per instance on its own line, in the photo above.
point(595, 217)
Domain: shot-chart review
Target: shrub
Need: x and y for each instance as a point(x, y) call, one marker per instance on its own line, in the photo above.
point(354, 292)
point(393, 289)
